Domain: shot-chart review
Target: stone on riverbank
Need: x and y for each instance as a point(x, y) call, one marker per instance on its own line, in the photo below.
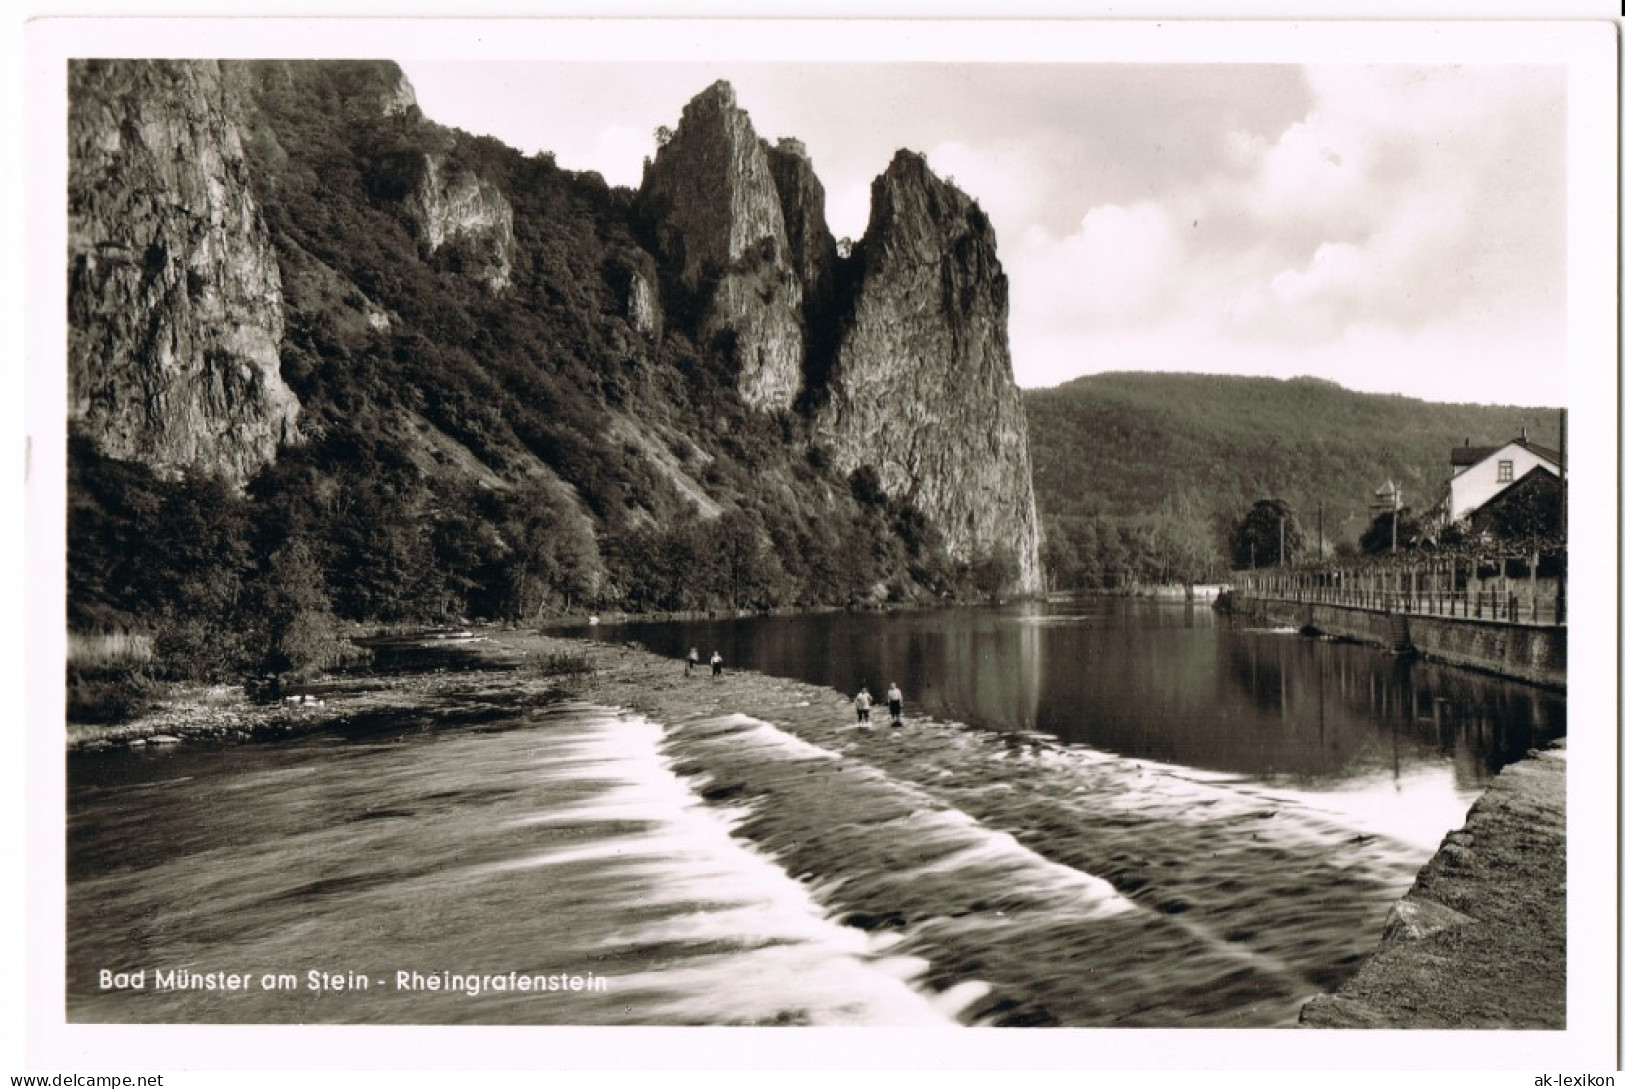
point(1480, 941)
point(1414, 918)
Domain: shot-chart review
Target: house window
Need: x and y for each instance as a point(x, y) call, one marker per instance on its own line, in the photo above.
point(1503, 472)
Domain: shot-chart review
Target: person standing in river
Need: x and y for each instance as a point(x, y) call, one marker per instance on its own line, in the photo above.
point(894, 704)
point(716, 663)
point(693, 661)
point(863, 702)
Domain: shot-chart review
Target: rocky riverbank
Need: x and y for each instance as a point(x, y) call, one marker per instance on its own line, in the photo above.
point(1478, 942)
point(225, 713)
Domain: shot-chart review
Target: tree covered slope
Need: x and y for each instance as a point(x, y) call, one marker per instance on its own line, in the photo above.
point(1115, 452)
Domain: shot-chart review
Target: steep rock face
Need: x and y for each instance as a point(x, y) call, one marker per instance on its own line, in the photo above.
point(920, 387)
point(175, 297)
point(643, 306)
point(710, 200)
point(462, 217)
point(812, 248)
point(801, 199)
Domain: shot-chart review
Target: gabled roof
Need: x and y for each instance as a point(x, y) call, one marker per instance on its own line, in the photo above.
point(1539, 477)
point(1461, 456)
point(1542, 451)
point(1470, 455)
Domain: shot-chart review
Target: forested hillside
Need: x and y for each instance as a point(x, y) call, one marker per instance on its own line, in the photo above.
point(331, 361)
point(1138, 475)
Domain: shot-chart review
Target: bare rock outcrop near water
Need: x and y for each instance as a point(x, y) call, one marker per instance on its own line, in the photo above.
point(909, 371)
point(175, 296)
point(921, 386)
point(812, 248)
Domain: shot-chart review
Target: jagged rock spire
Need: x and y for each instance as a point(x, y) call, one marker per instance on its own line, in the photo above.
point(921, 387)
point(710, 202)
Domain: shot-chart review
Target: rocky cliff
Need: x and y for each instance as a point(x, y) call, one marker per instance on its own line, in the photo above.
point(175, 296)
point(464, 220)
point(690, 367)
point(920, 387)
point(911, 372)
point(712, 206)
point(812, 248)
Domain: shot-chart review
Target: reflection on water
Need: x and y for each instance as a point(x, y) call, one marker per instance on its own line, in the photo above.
point(1173, 683)
point(1232, 816)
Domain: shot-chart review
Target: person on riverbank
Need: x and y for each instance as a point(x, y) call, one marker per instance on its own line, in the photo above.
point(693, 661)
point(863, 702)
point(716, 663)
point(894, 704)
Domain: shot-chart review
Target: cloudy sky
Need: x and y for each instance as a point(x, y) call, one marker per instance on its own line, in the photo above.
point(1391, 228)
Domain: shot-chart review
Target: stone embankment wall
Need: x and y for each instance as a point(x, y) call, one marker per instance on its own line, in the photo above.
point(1525, 652)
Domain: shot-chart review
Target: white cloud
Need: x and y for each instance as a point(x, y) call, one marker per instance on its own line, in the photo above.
point(1115, 268)
point(1316, 170)
point(1423, 192)
point(1336, 267)
point(1372, 242)
point(1266, 219)
point(846, 210)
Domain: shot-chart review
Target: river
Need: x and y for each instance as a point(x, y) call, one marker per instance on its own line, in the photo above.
point(502, 860)
point(1403, 743)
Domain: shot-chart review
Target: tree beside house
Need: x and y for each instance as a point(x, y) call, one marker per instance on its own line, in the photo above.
point(1480, 473)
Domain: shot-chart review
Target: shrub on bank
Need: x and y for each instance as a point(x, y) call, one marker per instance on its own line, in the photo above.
point(104, 700)
point(108, 676)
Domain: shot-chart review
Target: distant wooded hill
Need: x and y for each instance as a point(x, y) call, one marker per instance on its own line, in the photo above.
point(1118, 456)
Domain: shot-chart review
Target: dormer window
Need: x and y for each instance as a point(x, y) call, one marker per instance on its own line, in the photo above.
point(1503, 471)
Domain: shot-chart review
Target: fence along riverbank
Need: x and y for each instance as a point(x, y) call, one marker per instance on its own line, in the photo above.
point(1485, 630)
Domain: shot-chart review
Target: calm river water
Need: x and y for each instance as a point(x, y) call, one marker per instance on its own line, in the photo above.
point(415, 871)
point(1407, 744)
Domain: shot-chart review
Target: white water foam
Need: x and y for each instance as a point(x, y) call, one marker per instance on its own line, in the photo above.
point(785, 745)
point(970, 847)
point(1020, 868)
point(763, 949)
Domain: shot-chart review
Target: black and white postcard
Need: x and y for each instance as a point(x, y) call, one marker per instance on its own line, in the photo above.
point(819, 544)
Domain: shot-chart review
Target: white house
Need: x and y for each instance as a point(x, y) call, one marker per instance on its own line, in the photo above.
point(1480, 473)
